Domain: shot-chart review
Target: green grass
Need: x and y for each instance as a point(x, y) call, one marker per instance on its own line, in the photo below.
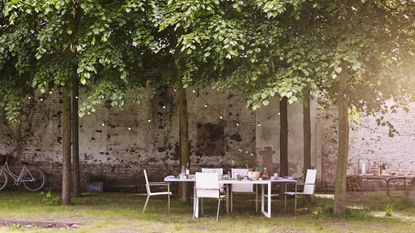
point(121, 212)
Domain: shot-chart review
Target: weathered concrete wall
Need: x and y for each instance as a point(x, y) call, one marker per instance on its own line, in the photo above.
point(372, 144)
point(128, 142)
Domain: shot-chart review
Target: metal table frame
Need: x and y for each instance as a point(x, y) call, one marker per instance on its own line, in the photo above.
point(265, 211)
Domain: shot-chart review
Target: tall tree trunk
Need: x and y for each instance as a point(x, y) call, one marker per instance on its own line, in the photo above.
point(184, 141)
point(66, 171)
point(284, 136)
point(75, 139)
point(307, 131)
point(342, 157)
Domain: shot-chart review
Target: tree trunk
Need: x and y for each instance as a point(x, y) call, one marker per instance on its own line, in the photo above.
point(66, 171)
point(342, 157)
point(284, 136)
point(75, 139)
point(307, 131)
point(184, 141)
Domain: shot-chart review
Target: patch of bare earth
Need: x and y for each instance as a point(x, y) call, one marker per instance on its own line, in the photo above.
point(31, 224)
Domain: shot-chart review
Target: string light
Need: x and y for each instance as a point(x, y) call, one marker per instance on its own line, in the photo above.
point(41, 99)
point(279, 113)
point(129, 128)
point(174, 89)
point(221, 117)
point(29, 98)
point(194, 91)
point(164, 106)
point(50, 92)
point(206, 105)
point(89, 113)
point(237, 124)
point(259, 124)
point(76, 97)
point(103, 124)
point(149, 120)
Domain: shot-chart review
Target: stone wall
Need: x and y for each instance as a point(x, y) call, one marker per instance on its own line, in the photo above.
point(119, 144)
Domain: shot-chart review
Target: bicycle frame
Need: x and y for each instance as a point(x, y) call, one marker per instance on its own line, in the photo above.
point(17, 178)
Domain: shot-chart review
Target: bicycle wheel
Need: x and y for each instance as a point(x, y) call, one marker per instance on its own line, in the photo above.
point(3, 180)
point(33, 180)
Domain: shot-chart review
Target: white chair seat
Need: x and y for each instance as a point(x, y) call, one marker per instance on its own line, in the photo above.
point(293, 193)
point(161, 193)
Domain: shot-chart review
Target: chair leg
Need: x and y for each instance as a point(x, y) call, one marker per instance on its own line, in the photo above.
point(295, 203)
point(217, 214)
point(168, 200)
point(145, 204)
point(256, 198)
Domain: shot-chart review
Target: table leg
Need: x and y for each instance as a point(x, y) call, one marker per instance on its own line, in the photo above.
point(269, 200)
point(262, 198)
point(268, 212)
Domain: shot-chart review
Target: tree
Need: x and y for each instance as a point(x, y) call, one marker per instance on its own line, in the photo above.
point(99, 43)
point(345, 50)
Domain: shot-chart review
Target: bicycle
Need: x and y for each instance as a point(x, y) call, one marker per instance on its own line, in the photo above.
point(32, 179)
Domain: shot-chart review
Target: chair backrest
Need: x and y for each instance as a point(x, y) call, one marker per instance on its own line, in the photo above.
point(219, 171)
point(310, 181)
point(147, 183)
point(241, 188)
point(207, 185)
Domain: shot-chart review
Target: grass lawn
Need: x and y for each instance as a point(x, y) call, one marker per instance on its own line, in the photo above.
point(121, 212)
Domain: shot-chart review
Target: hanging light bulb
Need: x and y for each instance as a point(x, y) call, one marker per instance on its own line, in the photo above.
point(76, 97)
point(206, 105)
point(41, 99)
point(221, 117)
point(50, 92)
point(259, 124)
point(149, 120)
point(194, 91)
point(164, 106)
point(29, 97)
point(129, 128)
point(103, 124)
point(237, 124)
point(279, 113)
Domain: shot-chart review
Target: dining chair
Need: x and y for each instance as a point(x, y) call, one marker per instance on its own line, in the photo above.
point(309, 188)
point(150, 194)
point(219, 171)
point(243, 188)
point(207, 186)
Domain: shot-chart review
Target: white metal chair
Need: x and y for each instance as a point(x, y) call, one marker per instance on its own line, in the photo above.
point(219, 171)
point(243, 188)
point(149, 193)
point(207, 186)
point(309, 188)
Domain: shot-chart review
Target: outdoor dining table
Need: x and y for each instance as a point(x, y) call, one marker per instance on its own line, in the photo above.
point(228, 182)
point(388, 179)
